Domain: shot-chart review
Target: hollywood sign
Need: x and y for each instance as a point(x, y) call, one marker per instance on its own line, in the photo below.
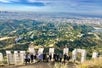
point(18, 56)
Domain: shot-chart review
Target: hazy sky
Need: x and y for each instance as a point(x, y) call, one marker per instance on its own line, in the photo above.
point(71, 6)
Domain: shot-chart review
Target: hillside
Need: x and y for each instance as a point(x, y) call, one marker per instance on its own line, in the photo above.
point(17, 34)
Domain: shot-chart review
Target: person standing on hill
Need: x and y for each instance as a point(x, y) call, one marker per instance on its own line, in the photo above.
point(27, 58)
point(32, 58)
point(60, 57)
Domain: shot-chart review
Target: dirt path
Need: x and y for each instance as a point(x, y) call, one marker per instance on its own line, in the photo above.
point(41, 65)
point(38, 65)
point(46, 65)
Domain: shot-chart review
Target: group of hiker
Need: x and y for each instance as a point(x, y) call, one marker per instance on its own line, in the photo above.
point(30, 58)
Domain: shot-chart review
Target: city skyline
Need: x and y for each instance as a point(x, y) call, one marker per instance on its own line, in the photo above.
point(92, 7)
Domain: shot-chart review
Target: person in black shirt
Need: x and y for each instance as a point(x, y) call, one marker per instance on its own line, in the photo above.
point(65, 57)
point(50, 57)
point(32, 58)
point(60, 57)
point(44, 56)
point(27, 58)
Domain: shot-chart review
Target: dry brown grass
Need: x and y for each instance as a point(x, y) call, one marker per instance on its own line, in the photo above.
point(60, 65)
point(94, 63)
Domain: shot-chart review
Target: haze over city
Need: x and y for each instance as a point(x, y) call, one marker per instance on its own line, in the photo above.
point(89, 7)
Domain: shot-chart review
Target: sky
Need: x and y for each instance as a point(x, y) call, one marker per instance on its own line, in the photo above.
point(70, 6)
